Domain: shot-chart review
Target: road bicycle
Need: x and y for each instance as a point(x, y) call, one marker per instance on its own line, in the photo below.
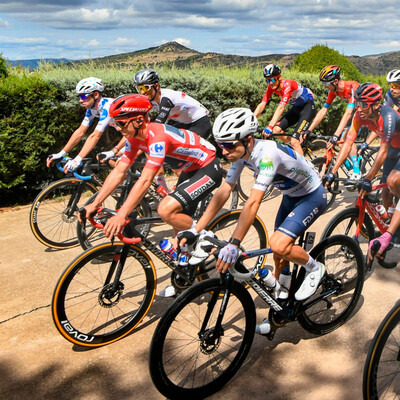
point(359, 222)
point(107, 291)
point(52, 217)
point(206, 333)
point(147, 207)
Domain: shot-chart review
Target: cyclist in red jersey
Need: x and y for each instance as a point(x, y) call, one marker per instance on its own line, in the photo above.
point(385, 122)
point(299, 97)
point(178, 148)
point(330, 78)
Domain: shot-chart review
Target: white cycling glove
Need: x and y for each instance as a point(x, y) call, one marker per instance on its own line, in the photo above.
point(107, 154)
point(73, 164)
point(229, 253)
point(58, 155)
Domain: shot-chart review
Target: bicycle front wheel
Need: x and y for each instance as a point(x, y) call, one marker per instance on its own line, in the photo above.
point(319, 164)
point(97, 300)
point(381, 379)
point(189, 356)
point(246, 182)
point(340, 288)
point(53, 215)
point(345, 223)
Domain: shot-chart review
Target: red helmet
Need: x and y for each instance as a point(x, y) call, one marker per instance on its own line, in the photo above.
point(368, 92)
point(130, 105)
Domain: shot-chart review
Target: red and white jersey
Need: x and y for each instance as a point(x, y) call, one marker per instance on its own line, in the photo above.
point(292, 92)
point(177, 148)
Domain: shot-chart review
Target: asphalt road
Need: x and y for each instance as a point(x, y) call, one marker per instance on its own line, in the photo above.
point(37, 363)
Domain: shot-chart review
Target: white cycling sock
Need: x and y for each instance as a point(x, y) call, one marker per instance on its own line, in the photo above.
point(311, 265)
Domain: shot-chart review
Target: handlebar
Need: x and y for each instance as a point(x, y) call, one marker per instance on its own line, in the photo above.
point(102, 220)
point(381, 261)
point(78, 176)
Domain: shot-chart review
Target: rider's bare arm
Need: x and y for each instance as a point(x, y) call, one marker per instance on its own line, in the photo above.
point(259, 109)
point(318, 118)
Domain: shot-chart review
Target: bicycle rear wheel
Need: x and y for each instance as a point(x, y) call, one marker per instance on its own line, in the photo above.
point(52, 219)
point(189, 358)
point(381, 378)
point(87, 310)
point(340, 288)
point(255, 239)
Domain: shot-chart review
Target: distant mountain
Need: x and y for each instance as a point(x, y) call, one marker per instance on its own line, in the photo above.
point(173, 53)
point(33, 64)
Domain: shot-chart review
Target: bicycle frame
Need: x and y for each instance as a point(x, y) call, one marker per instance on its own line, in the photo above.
point(365, 205)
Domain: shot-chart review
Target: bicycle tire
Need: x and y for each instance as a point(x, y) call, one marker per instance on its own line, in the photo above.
point(256, 238)
point(89, 236)
point(344, 263)
point(345, 223)
point(81, 310)
point(381, 370)
point(47, 218)
point(320, 165)
point(244, 189)
point(209, 366)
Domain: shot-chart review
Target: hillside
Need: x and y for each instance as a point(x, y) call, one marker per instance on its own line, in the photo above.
point(173, 53)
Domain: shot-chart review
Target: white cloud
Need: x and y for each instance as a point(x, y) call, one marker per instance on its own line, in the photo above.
point(4, 24)
point(94, 43)
point(32, 40)
point(182, 41)
point(394, 44)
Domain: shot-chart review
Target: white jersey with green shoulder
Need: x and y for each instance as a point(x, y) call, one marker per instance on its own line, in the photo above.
point(275, 163)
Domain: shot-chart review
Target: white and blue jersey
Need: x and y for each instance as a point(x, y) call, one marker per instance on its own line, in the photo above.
point(101, 112)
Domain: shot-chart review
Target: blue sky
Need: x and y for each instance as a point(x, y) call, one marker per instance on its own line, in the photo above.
point(80, 29)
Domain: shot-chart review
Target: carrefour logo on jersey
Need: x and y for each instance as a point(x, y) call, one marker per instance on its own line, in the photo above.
point(157, 149)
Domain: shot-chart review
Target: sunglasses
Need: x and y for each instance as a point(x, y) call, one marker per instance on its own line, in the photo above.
point(144, 88)
point(227, 145)
point(271, 80)
point(84, 96)
point(121, 123)
point(362, 104)
point(326, 84)
point(394, 85)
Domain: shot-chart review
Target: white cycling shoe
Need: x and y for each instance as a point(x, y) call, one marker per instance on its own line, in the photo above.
point(198, 254)
point(310, 283)
point(169, 291)
point(264, 328)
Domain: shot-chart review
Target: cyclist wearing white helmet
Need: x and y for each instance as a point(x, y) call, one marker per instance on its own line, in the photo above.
point(392, 98)
point(89, 91)
point(298, 96)
point(304, 198)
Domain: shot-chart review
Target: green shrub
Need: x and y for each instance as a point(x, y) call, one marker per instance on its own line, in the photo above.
point(3, 67)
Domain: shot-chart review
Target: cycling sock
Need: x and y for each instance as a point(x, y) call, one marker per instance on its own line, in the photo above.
point(160, 180)
point(356, 164)
point(311, 265)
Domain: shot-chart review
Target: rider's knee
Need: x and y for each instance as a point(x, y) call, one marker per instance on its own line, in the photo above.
point(393, 182)
point(279, 248)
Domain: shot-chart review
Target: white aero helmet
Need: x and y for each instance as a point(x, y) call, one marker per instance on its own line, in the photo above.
point(393, 76)
point(234, 124)
point(89, 85)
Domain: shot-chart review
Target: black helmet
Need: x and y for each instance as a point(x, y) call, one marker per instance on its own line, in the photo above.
point(271, 70)
point(146, 77)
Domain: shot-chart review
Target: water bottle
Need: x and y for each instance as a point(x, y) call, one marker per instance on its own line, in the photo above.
point(382, 211)
point(391, 211)
point(285, 279)
point(269, 280)
point(168, 249)
point(162, 191)
point(184, 256)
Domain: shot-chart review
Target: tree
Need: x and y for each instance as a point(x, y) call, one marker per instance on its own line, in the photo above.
point(319, 56)
point(3, 67)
